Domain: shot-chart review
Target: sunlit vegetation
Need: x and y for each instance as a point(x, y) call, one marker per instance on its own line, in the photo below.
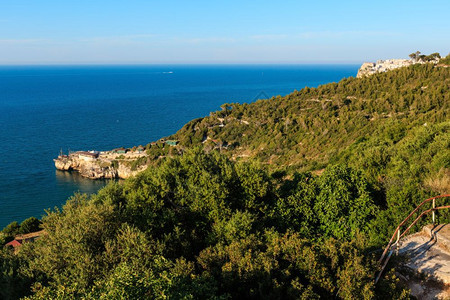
point(308, 128)
point(285, 198)
point(445, 60)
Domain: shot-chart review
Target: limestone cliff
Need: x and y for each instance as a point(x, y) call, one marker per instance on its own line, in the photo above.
point(105, 165)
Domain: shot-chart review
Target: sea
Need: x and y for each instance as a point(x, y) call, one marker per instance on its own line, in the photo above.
point(48, 109)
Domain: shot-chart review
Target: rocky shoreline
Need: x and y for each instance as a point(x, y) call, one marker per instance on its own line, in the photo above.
point(102, 165)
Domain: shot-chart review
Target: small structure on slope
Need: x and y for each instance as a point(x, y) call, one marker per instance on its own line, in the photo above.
point(20, 239)
point(171, 142)
point(88, 156)
point(121, 150)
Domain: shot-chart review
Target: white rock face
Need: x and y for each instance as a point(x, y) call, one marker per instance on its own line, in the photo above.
point(96, 168)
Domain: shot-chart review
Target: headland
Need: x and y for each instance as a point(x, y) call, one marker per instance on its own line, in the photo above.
point(118, 163)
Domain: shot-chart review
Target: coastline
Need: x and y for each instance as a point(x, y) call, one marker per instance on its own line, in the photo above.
point(121, 163)
point(107, 107)
point(104, 164)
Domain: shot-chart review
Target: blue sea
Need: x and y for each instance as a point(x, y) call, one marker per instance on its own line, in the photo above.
point(44, 109)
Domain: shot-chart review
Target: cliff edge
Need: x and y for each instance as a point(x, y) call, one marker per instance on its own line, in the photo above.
point(96, 165)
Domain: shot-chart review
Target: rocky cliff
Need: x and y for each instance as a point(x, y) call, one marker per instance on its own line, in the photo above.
point(103, 166)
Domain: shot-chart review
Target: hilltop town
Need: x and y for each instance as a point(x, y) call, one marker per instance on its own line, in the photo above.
point(369, 68)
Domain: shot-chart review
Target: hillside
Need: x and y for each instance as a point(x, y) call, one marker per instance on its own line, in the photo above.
point(309, 128)
point(284, 198)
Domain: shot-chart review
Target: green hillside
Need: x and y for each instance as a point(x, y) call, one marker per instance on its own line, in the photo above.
point(284, 198)
point(310, 127)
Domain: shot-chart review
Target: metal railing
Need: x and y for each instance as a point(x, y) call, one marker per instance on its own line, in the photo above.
point(388, 251)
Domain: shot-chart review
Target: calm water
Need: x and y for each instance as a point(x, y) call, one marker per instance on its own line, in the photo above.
point(46, 108)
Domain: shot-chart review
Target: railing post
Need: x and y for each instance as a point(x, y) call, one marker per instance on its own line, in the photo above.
point(434, 215)
point(397, 246)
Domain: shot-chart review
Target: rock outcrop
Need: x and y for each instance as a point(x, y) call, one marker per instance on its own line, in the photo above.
point(103, 166)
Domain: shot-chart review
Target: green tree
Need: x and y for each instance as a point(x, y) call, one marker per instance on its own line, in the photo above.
point(344, 205)
point(31, 224)
point(12, 229)
point(415, 55)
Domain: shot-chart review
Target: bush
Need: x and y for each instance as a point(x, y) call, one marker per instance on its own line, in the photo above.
point(29, 225)
point(12, 229)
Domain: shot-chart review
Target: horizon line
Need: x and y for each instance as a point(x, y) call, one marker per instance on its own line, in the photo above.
point(175, 63)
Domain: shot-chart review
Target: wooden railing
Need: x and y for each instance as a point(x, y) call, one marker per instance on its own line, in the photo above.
point(387, 253)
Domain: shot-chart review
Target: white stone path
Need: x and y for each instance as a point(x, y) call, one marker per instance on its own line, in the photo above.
point(428, 253)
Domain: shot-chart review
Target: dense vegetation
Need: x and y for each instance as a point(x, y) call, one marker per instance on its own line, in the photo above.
point(283, 198)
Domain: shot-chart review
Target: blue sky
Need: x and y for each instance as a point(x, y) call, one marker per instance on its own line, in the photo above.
point(135, 31)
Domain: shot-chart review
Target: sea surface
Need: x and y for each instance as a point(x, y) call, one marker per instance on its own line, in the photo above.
point(44, 109)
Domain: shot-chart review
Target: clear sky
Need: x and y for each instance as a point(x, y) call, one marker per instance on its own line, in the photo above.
point(137, 31)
